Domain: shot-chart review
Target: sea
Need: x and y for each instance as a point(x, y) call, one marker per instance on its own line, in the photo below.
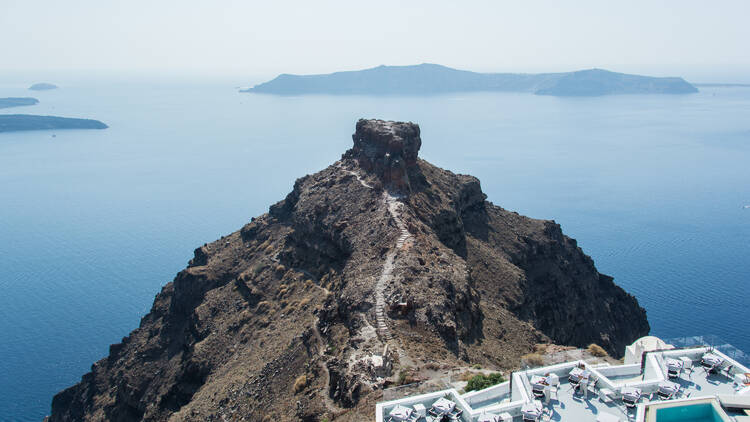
point(94, 222)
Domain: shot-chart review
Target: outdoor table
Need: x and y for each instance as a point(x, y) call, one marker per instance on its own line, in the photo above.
point(577, 374)
point(552, 379)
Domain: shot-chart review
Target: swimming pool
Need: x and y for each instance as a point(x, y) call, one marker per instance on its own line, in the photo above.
point(703, 412)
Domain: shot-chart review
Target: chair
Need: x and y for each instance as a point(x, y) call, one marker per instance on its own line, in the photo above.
point(537, 389)
point(455, 414)
point(592, 387)
point(727, 371)
point(672, 373)
point(553, 393)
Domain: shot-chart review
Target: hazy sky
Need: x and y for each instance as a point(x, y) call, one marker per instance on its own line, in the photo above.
point(701, 40)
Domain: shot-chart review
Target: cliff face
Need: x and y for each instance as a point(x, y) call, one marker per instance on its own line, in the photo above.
point(430, 79)
point(281, 319)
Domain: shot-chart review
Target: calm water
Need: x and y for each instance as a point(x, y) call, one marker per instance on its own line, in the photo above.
point(93, 223)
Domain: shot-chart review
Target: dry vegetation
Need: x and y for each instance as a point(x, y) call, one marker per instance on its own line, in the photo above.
point(597, 350)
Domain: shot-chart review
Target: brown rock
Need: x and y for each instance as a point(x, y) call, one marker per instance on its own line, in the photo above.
point(305, 289)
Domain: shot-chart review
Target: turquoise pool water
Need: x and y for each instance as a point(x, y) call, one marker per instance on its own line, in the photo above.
point(690, 413)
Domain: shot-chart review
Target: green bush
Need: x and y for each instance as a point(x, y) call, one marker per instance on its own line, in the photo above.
point(480, 382)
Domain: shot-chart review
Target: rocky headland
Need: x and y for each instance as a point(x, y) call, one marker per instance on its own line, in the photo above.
point(376, 265)
point(24, 122)
point(429, 79)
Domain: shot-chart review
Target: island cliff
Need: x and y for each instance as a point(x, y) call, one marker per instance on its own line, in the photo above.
point(23, 122)
point(430, 79)
point(17, 102)
point(282, 319)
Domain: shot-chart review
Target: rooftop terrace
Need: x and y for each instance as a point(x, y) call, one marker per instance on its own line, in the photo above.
point(599, 392)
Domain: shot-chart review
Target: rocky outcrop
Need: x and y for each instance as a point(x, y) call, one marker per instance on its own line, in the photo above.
point(284, 318)
point(387, 150)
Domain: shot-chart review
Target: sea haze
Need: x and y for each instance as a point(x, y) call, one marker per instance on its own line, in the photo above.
point(93, 223)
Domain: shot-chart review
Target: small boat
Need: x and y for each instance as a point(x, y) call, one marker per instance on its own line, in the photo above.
point(747, 207)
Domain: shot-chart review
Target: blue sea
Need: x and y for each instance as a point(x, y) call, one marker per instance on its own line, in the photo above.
point(93, 223)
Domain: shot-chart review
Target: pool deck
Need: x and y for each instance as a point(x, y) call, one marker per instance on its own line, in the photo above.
point(508, 398)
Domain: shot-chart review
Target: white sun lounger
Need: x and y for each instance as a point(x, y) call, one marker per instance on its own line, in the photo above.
point(734, 401)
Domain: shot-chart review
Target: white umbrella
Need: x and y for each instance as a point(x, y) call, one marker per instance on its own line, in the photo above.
point(400, 413)
point(443, 405)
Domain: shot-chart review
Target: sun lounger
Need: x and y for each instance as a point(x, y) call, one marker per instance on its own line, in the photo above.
point(734, 401)
point(605, 395)
point(631, 396)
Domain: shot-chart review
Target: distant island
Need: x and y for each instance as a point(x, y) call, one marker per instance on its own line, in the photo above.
point(19, 122)
point(17, 102)
point(426, 79)
point(42, 86)
point(723, 85)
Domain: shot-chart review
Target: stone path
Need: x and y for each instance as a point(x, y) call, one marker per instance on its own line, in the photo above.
point(394, 209)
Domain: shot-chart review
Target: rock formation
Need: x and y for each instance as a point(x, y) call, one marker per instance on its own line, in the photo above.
point(289, 317)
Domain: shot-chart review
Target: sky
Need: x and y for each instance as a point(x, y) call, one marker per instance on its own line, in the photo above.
point(703, 41)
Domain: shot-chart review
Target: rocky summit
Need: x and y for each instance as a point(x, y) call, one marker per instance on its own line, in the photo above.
point(376, 266)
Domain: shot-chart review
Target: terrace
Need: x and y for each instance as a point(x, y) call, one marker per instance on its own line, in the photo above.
point(581, 391)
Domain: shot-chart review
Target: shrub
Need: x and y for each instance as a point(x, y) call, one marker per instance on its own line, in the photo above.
point(404, 377)
point(533, 359)
point(480, 382)
point(476, 366)
point(597, 350)
point(300, 383)
point(263, 307)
